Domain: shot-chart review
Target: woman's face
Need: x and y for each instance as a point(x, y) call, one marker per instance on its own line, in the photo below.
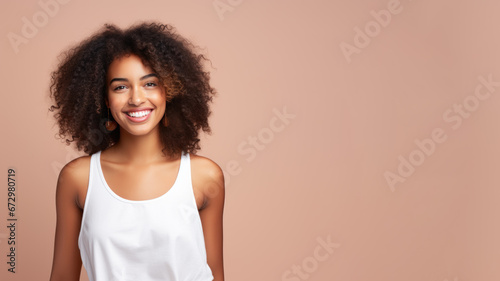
point(135, 97)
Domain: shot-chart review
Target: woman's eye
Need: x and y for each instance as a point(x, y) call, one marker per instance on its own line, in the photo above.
point(119, 88)
point(150, 84)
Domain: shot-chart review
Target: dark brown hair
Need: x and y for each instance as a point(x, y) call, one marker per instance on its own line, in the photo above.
point(78, 86)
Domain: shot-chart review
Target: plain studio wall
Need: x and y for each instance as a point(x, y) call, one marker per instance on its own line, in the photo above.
point(359, 139)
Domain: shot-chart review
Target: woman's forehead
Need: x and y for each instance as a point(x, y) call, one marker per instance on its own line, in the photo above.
point(128, 66)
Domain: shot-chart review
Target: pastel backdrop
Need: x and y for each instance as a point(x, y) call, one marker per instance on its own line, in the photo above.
point(359, 139)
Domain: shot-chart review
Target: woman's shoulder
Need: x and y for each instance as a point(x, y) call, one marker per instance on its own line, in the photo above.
point(74, 176)
point(205, 167)
point(77, 167)
point(207, 178)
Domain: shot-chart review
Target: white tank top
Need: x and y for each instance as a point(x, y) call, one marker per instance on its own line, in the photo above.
point(142, 240)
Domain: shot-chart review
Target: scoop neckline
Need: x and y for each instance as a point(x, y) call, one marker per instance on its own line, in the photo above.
point(108, 188)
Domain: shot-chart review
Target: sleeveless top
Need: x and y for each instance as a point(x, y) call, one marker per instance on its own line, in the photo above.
point(142, 240)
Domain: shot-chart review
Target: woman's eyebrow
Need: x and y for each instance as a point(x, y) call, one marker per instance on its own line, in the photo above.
point(142, 78)
point(149, 75)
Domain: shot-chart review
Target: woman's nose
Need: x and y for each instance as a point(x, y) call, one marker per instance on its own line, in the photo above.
point(137, 96)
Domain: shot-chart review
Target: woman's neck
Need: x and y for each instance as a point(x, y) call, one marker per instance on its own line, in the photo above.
point(143, 149)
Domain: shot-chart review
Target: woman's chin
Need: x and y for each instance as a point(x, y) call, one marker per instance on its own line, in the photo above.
point(139, 130)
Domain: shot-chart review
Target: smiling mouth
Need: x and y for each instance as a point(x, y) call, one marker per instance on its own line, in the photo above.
point(138, 114)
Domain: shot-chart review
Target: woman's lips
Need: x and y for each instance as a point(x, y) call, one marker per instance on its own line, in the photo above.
point(138, 116)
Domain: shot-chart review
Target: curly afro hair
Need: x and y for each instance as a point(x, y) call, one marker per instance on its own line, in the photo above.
point(78, 86)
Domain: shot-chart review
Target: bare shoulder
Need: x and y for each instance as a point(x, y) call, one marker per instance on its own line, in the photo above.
point(76, 169)
point(207, 177)
point(204, 167)
point(74, 177)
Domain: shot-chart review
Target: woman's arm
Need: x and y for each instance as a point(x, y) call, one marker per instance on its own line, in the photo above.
point(67, 264)
point(211, 181)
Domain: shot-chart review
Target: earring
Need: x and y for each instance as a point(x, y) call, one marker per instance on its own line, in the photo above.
point(110, 124)
point(165, 120)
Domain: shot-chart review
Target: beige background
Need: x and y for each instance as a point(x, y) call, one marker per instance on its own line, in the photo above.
point(320, 175)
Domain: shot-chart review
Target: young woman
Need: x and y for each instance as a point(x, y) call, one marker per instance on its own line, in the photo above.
point(142, 205)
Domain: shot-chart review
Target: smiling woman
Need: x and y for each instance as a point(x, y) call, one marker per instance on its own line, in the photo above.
point(141, 205)
point(135, 98)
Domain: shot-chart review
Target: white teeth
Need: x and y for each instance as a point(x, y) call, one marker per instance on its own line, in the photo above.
point(139, 113)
